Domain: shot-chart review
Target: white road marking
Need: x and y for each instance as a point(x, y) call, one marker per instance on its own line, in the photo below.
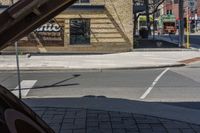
point(26, 85)
point(153, 84)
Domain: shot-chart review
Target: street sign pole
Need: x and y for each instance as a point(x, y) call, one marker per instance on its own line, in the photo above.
point(196, 18)
point(179, 37)
point(18, 70)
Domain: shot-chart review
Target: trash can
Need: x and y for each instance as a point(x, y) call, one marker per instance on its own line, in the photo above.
point(143, 32)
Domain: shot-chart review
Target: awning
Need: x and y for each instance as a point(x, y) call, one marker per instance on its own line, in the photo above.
point(168, 18)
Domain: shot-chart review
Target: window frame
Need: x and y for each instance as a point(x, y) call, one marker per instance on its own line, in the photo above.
point(89, 31)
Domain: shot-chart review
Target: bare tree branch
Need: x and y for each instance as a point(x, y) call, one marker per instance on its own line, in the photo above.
point(155, 10)
point(154, 7)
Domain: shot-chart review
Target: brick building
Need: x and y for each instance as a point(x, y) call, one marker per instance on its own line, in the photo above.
point(198, 9)
point(173, 7)
point(89, 26)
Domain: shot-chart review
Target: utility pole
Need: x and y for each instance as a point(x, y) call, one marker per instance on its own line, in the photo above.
point(181, 23)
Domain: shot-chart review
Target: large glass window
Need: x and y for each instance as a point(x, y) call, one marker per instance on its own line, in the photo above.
point(79, 31)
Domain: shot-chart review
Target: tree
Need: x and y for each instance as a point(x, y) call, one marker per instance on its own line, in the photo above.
point(151, 7)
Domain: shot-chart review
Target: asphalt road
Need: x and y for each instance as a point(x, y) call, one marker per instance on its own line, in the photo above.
point(194, 39)
point(177, 86)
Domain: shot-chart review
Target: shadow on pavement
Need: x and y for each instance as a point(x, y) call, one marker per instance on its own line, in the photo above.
point(149, 43)
point(157, 109)
point(17, 117)
point(57, 84)
point(160, 42)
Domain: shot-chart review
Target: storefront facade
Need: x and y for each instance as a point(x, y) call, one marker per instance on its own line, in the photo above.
point(89, 26)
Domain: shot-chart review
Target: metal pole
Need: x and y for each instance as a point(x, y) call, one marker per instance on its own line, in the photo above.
point(18, 70)
point(179, 37)
point(195, 18)
point(154, 26)
point(181, 26)
point(188, 29)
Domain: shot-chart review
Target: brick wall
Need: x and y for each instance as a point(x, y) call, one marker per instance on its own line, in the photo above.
point(106, 34)
point(122, 12)
point(97, 2)
point(198, 8)
point(111, 29)
point(5, 2)
point(175, 8)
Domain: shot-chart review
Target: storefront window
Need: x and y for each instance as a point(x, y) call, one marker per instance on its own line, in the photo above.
point(79, 31)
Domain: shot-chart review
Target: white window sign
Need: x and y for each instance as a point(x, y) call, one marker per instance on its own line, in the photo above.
point(49, 27)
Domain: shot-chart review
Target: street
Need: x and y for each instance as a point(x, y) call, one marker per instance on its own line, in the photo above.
point(169, 85)
point(81, 66)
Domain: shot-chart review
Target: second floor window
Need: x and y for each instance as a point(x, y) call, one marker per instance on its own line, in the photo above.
point(83, 1)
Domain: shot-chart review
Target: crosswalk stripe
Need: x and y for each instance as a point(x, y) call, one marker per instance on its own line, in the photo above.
point(154, 83)
point(26, 85)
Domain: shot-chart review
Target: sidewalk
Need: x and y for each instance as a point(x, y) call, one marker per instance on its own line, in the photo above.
point(129, 60)
point(102, 115)
point(171, 39)
point(168, 39)
point(69, 120)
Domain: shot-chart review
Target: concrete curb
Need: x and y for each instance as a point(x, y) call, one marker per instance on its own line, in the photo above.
point(103, 53)
point(164, 50)
point(90, 69)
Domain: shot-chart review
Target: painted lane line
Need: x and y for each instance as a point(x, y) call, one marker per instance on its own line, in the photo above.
point(153, 84)
point(26, 85)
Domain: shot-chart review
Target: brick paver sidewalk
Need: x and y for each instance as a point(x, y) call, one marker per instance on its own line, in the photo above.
point(68, 120)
